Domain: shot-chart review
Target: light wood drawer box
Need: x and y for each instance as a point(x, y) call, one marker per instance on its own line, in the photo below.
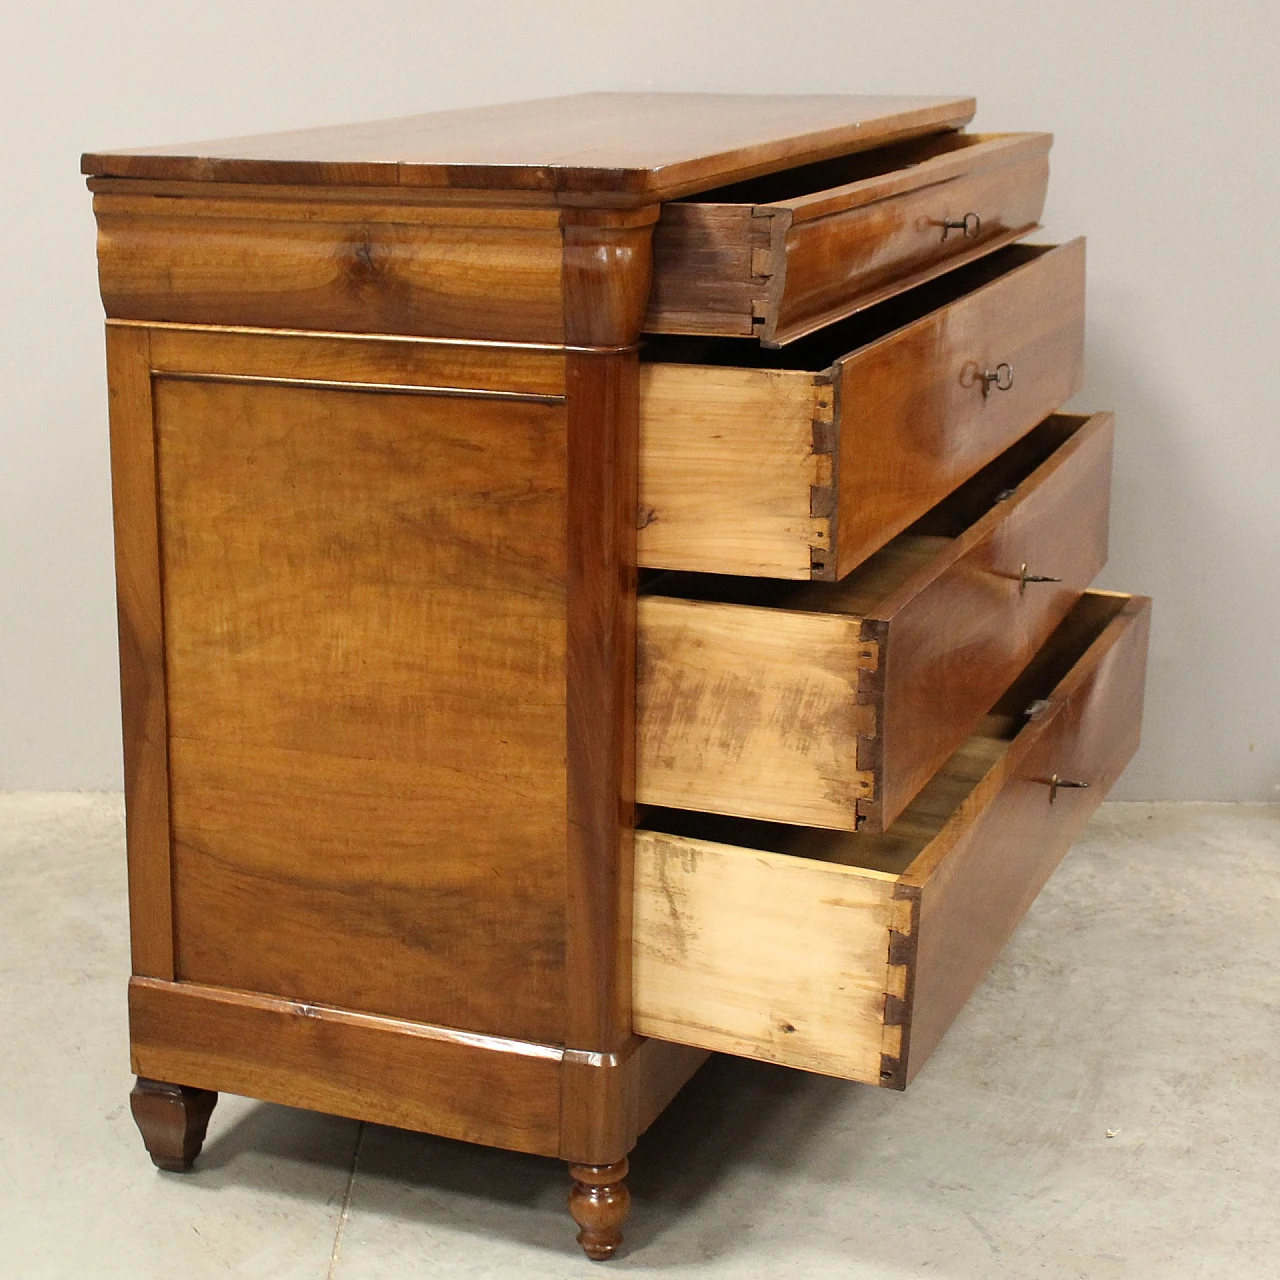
point(832, 704)
point(782, 255)
point(850, 954)
point(801, 463)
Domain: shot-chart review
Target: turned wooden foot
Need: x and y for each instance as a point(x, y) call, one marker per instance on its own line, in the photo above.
point(172, 1119)
point(599, 1201)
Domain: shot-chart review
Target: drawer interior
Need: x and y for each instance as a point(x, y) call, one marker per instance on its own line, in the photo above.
point(893, 852)
point(861, 591)
point(803, 180)
point(820, 350)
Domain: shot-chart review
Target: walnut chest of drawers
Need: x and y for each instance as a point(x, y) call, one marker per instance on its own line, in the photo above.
point(600, 581)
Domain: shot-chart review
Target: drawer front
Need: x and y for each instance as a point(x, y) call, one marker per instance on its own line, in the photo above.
point(833, 704)
point(978, 884)
point(769, 472)
point(315, 264)
point(956, 641)
point(850, 954)
point(916, 416)
point(743, 262)
point(828, 267)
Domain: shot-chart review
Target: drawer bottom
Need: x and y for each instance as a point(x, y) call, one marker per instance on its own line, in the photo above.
point(850, 954)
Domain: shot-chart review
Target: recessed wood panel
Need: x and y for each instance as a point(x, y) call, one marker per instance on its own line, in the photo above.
point(365, 634)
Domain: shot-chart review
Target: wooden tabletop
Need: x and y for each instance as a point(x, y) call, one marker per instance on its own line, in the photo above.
point(646, 146)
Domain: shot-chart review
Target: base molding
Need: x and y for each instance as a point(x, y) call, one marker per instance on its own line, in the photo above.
point(504, 1093)
point(516, 1094)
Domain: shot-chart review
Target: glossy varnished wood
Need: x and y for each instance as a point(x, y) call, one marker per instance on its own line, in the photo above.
point(173, 1120)
point(746, 261)
point(224, 257)
point(607, 266)
point(851, 953)
point(645, 147)
point(366, 647)
point(833, 704)
point(965, 627)
point(914, 422)
point(971, 894)
point(375, 427)
point(599, 1201)
point(140, 614)
point(800, 464)
point(390, 1071)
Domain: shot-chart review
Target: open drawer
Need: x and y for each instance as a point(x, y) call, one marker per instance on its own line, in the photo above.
point(832, 704)
point(850, 954)
point(781, 255)
point(800, 463)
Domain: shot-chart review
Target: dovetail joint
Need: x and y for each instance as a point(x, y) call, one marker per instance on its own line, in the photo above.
point(895, 1011)
point(891, 1074)
point(900, 947)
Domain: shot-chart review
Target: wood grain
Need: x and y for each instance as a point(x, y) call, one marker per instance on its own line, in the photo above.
point(752, 462)
point(609, 1099)
point(366, 642)
point(478, 1089)
point(173, 1121)
point(444, 271)
point(607, 269)
point(728, 468)
point(599, 1202)
point(377, 363)
point(645, 146)
point(913, 420)
point(140, 617)
point(833, 262)
point(705, 278)
point(760, 954)
point(963, 628)
point(977, 883)
point(739, 261)
point(850, 953)
point(751, 711)
point(831, 704)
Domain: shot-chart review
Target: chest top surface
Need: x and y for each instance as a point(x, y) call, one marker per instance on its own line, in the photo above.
point(630, 147)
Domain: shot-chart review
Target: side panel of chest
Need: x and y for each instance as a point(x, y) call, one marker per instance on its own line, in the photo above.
point(362, 553)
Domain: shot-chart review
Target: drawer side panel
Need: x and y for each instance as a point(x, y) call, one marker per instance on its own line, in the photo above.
point(751, 712)
point(728, 469)
point(763, 955)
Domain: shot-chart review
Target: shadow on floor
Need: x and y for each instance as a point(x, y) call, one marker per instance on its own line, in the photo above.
point(730, 1110)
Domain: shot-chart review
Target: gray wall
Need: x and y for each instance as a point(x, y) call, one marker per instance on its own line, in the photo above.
point(1166, 157)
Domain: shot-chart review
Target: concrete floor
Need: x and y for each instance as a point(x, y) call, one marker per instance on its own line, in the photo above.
point(1105, 1107)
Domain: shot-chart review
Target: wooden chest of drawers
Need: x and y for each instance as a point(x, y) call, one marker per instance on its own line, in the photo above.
point(600, 580)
